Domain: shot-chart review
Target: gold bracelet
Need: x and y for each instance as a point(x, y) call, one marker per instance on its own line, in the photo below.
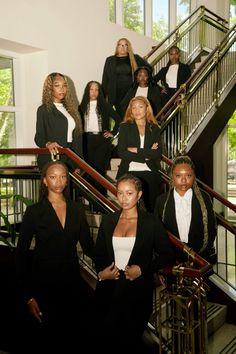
point(29, 301)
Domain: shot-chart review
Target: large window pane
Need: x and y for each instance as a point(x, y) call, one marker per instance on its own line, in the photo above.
point(112, 11)
point(182, 10)
point(133, 11)
point(232, 162)
point(6, 82)
point(7, 136)
point(160, 19)
point(232, 15)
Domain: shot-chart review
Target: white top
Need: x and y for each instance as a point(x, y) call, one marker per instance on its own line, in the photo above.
point(171, 75)
point(183, 212)
point(70, 119)
point(142, 91)
point(91, 120)
point(123, 247)
point(139, 166)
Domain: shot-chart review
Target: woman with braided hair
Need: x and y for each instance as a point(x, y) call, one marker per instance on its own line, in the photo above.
point(187, 211)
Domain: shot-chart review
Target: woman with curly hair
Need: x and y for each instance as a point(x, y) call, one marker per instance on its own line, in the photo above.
point(118, 72)
point(140, 148)
point(187, 211)
point(58, 121)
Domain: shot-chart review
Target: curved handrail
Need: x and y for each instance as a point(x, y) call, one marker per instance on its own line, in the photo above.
point(93, 173)
point(205, 266)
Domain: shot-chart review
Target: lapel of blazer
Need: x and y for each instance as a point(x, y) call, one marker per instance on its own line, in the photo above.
point(110, 227)
point(170, 211)
point(140, 234)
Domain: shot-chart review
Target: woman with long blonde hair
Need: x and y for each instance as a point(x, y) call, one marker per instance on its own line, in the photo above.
point(118, 72)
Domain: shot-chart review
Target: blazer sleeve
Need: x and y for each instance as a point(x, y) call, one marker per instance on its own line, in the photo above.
point(106, 76)
point(123, 145)
point(152, 154)
point(142, 62)
point(101, 257)
point(40, 135)
point(212, 224)
point(27, 232)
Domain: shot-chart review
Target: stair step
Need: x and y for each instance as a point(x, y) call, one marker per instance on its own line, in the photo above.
point(223, 341)
point(216, 316)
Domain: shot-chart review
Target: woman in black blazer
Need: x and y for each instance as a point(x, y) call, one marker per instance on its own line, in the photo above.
point(118, 72)
point(131, 245)
point(173, 75)
point(187, 211)
point(50, 284)
point(140, 148)
point(58, 121)
point(97, 115)
point(143, 86)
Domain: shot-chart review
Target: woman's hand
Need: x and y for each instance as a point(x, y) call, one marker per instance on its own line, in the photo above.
point(132, 272)
point(111, 272)
point(53, 147)
point(154, 146)
point(107, 134)
point(34, 309)
point(132, 149)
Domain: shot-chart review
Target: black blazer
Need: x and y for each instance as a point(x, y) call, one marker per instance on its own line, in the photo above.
point(109, 76)
point(52, 126)
point(106, 112)
point(184, 72)
point(151, 238)
point(195, 237)
point(153, 95)
point(55, 259)
point(129, 137)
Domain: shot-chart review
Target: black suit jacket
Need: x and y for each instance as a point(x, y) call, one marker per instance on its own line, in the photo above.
point(55, 259)
point(52, 126)
point(184, 72)
point(129, 137)
point(153, 95)
point(109, 76)
point(196, 235)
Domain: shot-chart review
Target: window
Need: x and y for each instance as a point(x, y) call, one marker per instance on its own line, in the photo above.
point(231, 175)
point(7, 109)
point(232, 14)
point(160, 19)
point(130, 14)
point(112, 11)
point(133, 12)
point(182, 10)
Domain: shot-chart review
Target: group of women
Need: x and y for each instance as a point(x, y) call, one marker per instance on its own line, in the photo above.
point(132, 243)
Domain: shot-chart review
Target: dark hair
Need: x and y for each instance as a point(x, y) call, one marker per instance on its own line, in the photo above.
point(43, 188)
point(149, 73)
point(184, 159)
point(101, 102)
point(137, 183)
point(174, 47)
